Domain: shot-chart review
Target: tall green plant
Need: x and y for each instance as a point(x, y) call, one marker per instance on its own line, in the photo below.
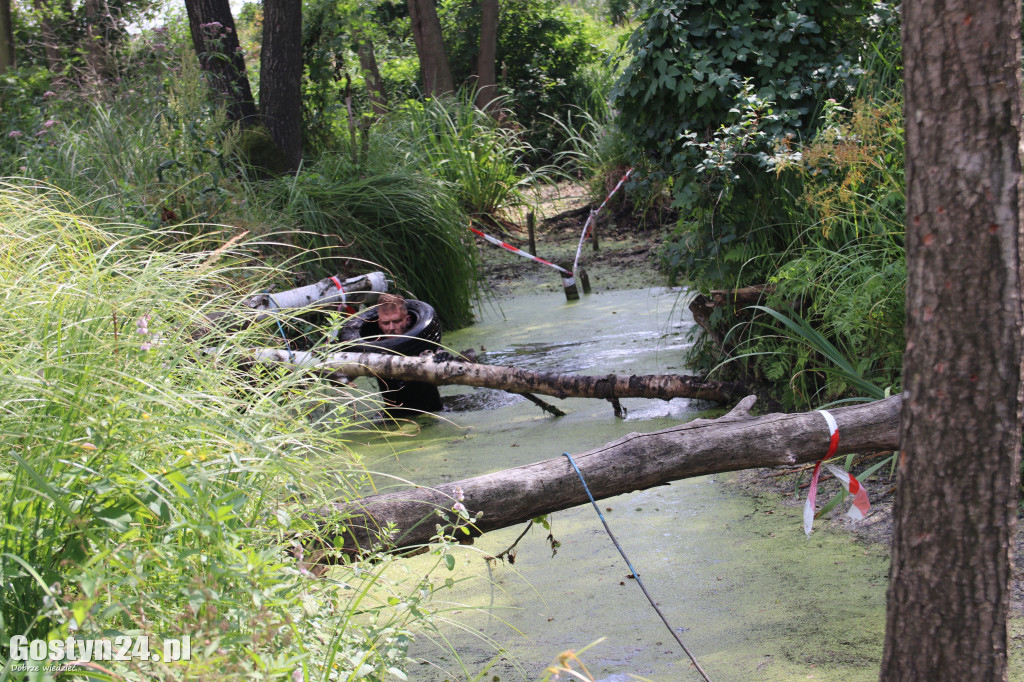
point(401, 220)
point(709, 94)
point(149, 488)
point(482, 158)
point(845, 272)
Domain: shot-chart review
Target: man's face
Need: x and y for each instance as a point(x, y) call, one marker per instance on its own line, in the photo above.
point(393, 321)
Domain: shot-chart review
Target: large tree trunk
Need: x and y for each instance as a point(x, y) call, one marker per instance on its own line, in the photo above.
point(426, 31)
point(635, 462)
point(281, 78)
point(512, 379)
point(486, 81)
point(6, 37)
point(216, 44)
point(958, 476)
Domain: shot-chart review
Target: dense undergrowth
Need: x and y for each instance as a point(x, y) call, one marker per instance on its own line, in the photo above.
point(149, 488)
point(787, 172)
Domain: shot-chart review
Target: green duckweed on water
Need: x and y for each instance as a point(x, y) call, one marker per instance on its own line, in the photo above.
point(752, 596)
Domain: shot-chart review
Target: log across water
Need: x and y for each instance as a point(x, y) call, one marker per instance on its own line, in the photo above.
point(635, 462)
point(513, 379)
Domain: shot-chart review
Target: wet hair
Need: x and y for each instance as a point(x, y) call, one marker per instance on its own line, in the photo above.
point(392, 302)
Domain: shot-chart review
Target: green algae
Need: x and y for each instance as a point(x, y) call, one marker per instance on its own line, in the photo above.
point(752, 596)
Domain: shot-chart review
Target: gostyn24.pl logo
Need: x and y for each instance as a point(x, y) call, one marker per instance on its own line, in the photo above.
point(81, 650)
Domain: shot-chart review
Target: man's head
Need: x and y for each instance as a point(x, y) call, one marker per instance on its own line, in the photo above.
point(392, 314)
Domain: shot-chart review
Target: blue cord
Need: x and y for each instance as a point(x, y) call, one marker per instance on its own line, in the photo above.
point(280, 327)
point(633, 570)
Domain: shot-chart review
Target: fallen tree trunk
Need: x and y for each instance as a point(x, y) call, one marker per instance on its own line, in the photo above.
point(634, 462)
point(512, 379)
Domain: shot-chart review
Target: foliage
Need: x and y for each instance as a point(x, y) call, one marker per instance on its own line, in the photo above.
point(164, 154)
point(846, 272)
point(482, 157)
point(546, 55)
point(401, 220)
point(708, 95)
point(598, 153)
point(147, 488)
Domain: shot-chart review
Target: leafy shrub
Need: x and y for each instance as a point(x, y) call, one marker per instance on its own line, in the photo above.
point(478, 155)
point(844, 278)
point(708, 95)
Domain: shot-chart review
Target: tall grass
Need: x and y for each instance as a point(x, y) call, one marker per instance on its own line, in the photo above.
point(479, 155)
point(149, 489)
point(401, 220)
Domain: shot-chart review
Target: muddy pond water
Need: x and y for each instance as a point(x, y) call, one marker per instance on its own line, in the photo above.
point(752, 597)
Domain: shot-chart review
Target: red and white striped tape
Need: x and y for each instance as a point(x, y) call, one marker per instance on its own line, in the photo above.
point(344, 306)
point(524, 254)
point(850, 483)
point(593, 214)
point(861, 505)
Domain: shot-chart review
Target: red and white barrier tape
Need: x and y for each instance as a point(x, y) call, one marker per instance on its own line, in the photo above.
point(524, 254)
point(593, 214)
point(343, 306)
point(850, 483)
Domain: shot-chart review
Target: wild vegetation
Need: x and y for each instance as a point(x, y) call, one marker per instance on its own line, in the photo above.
point(149, 490)
point(787, 170)
point(147, 487)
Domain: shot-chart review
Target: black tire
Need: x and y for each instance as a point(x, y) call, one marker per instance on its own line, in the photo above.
point(360, 334)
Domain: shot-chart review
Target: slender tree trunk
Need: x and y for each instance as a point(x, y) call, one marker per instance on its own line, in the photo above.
point(281, 78)
point(512, 379)
point(426, 31)
point(961, 433)
point(50, 18)
point(98, 37)
point(6, 37)
point(635, 462)
point(371, 75)
point(486, 83)
point(216, 44)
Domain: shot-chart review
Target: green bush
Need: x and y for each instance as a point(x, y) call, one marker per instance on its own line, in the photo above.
point(843, 279)
point(708, 96)
point(465, 147)
point(545, 55)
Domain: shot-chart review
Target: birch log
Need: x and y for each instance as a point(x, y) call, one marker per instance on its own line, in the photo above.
point(634, 462)
point(359, 290)
point(512, 379)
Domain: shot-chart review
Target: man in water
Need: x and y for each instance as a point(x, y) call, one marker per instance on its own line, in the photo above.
point(404, 398)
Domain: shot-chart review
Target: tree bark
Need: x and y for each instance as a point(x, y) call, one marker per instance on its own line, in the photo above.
point(635, 462)
point(958, 476)
point(100, 30)
point(486, 81)
point(50, 17)
point(7, 60)
point(426, 31)
point(371, 76)
point(281, 78)
point(512, 379)
point(216, 44)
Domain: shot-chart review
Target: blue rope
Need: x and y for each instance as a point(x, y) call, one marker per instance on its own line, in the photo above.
point(633, 570)
point(280, 327)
